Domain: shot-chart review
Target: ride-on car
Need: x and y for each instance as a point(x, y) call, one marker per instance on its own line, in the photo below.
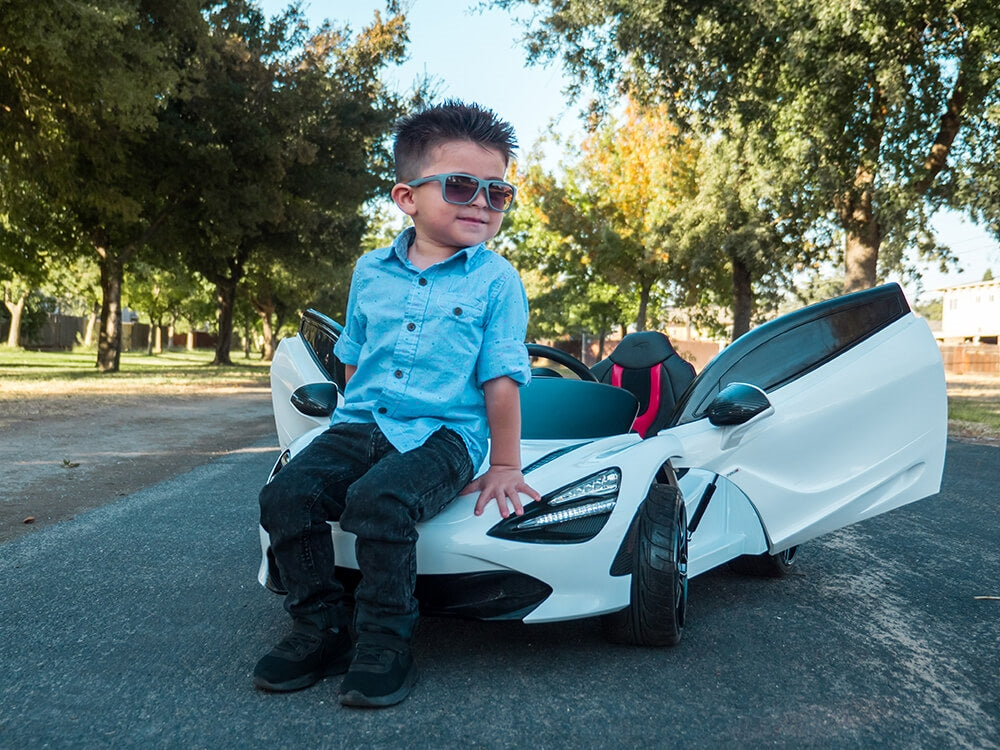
point(823, 417)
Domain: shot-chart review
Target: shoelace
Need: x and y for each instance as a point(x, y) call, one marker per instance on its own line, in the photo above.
point(373, 654)
point(298, 642)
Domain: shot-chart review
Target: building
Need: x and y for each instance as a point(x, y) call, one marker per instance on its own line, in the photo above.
point(971, 313)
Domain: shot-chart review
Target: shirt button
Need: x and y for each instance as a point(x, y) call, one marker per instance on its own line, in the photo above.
point(423, 281)
point(458, 311)
point(411, 326)
point(398, 373)
point(382, 410)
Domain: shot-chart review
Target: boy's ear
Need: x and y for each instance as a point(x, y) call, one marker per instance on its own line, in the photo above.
point(402, 196)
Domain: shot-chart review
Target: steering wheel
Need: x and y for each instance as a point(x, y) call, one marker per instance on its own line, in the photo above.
point(568, 361)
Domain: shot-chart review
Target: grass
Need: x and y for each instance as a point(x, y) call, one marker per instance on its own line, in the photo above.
point(972, 400)
point(976, 401)
point(980, 413)
point(24, 370)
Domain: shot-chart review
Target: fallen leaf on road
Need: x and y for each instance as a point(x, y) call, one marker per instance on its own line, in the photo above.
point(67, 464)
point(29, 519)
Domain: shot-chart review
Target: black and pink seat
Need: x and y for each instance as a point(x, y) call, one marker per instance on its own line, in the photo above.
point(646, 365)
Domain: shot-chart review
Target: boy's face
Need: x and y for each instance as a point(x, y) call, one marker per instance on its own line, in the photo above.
point(447, 225)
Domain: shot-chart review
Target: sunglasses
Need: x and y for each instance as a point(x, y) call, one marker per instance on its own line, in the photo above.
point(461, 189)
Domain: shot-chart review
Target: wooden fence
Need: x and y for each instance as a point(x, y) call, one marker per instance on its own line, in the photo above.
point(66, 331)
point(971, 359)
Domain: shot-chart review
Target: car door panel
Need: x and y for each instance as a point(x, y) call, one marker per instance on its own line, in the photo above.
point(853, 436)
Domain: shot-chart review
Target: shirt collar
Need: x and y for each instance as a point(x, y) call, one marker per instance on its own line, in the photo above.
point(399, 246)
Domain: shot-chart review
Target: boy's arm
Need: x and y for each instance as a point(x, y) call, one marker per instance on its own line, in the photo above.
point(503, 480)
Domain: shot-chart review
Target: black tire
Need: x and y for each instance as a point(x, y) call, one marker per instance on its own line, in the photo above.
point(655, 615)
point(767, 566)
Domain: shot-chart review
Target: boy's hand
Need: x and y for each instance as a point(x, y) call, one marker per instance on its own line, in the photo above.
point(501, 483)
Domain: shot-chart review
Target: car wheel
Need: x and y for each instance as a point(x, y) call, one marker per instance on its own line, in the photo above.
point(655, 615)
point(767, 566)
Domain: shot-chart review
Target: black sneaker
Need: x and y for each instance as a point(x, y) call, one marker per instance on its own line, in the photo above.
point(382, 674)
point(305, 657)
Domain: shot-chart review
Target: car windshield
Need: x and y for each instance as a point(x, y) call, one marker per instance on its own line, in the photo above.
point(562, 408)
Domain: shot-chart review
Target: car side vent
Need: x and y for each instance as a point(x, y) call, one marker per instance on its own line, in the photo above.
point(621, 565)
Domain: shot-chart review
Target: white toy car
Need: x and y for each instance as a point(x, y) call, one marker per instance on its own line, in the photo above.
point(823, 417)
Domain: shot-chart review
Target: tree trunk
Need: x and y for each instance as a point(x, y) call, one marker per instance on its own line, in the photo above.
point(154, 340)
point(862, 235)
point(640, 319)
point(270, 341)
point(16, 310)
point(109, 343)
point(742, 298)
point(862, 232)
point(861, 257)
point(266, 309)
point(95, 313)
point(225, 296)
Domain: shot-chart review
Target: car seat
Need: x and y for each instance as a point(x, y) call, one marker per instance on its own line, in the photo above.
point(646, 365)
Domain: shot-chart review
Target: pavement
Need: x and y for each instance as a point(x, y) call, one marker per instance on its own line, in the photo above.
point(137, 624)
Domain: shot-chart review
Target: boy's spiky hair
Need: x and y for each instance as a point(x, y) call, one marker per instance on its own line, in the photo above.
point(451, 120)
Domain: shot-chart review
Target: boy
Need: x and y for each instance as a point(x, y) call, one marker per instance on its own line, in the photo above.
point(433, 347)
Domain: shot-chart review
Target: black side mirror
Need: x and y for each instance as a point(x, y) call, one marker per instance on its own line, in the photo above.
point(315, 399)
point(737, 403)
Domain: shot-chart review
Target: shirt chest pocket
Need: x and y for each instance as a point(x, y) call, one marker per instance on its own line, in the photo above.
point(460, 311)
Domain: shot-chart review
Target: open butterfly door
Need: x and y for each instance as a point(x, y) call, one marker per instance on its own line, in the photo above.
point(846, 416)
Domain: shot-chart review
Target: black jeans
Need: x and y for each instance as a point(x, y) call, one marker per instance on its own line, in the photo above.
point(352, 474)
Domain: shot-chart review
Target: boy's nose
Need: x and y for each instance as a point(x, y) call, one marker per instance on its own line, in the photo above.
point(479, 199)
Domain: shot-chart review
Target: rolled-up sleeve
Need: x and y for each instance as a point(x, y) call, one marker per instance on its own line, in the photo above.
point(503, 352)
point(348, 346)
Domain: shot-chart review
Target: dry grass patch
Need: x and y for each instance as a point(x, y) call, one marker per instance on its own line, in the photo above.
point(974, 407)
point(35, 385)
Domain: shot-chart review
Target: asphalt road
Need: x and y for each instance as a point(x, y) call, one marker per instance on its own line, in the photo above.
point(137, 625)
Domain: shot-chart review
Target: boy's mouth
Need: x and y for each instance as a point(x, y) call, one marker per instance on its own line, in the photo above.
point(473, 219)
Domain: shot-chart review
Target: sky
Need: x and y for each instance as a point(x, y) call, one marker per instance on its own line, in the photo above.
point(472, 55)
point(477, 56)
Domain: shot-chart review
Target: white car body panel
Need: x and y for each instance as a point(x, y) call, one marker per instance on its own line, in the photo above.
point(834, 472)
point(293, 366)
point(856, 436)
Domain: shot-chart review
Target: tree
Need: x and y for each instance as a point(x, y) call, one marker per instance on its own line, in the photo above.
point(275, 291)
point(978, 186)
point(641, 173)
point(196, 307)
point(79, 94)
point(158, 292)
point(602, 237)
point(864, 105)
point(287, 132)
point(19, 274)
point(15, 297)
point(738, 245)
point(32, 251)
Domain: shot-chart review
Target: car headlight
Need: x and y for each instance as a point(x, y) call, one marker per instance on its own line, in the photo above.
point(569, 515)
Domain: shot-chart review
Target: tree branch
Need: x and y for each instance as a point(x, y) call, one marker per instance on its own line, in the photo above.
point(951, 122)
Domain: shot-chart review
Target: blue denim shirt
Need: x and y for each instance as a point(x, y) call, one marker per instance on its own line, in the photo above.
point(424, 342)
